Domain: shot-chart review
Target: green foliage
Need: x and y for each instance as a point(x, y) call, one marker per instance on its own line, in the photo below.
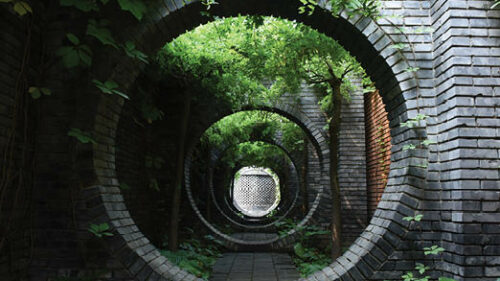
point(399, 46)
point(81, 136)
point(109, 87)
point(367, 8)
point(136, 7)
point(208, 3)
point(249, 125)
point(416, 218)
point(495, 5)
point(254, 60)
point(421, 268)
point(75, 55)
point(37, 92)
point(433, 250)
point(20, 7)
point(427, 142)
point(412, 69)
point(131, 51)
point(99, 30)
point(409, 147)
point(197, 256)
point(100, 230)
point(307, 256)
point(411, 123)
point(309, 6)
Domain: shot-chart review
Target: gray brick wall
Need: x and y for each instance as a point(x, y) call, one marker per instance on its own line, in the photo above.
point(457, 191)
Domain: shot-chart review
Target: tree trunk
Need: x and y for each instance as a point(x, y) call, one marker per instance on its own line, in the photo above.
point(173, 237)
point(303, 178)
point(334, 131)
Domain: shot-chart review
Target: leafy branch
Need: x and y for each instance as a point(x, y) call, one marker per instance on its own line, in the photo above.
point(100, 230)
point(109, 87)
point(75, 55)
point(81, 136)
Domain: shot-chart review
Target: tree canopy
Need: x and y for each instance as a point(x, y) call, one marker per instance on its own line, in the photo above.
point(254, 59)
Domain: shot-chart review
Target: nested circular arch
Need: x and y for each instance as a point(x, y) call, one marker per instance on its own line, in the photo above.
point(269, 224)
point(315, 137)
point(361, 36)
point(217, 154)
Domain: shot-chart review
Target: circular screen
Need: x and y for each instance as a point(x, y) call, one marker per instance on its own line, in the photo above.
point(256, 191)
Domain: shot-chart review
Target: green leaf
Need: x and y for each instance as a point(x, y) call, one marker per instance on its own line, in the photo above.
point(6, 1)
point(81, 136)
point(135, 7)
point(412, 69)
point(22, 8)
point(46, 91)
point(100, 230)
point(399, 46)
point(433, 250)
point(35, 92)
point(132, 52)
point(299, 250)
point(421, 268)
point(85, 57)
point(73, 39)
point(124, 186)
point(428, 142)
point(69, 56)
point(109, 87)
point(99, 31)
point(409, 147)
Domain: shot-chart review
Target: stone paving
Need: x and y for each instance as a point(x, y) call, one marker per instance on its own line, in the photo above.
point(254, 267)
point(250, 236)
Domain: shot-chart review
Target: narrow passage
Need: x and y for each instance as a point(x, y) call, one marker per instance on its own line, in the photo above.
point(254, 267)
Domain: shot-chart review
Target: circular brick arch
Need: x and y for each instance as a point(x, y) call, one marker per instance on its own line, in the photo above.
point(362, 37)
point(266, 223)
point(316, 138)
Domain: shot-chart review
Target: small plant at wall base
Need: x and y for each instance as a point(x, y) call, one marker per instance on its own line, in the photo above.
point(196, 255)
point(100, 230)
point(307, 255)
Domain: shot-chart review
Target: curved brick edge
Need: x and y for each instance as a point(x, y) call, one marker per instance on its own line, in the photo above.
point(385, 65)
point(275, 140)
point(265, 224)
point(316, 137)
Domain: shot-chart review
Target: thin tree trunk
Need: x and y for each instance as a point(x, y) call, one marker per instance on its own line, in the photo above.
point(303, 178)
point(334, 131)
point(173, 237)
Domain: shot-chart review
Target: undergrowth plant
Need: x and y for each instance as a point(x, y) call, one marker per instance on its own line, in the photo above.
point(196, 255)
point(308, 256)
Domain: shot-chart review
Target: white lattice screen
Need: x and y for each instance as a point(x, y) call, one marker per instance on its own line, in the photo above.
point(255, 192)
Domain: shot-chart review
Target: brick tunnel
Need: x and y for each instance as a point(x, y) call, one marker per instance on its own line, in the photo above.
point(53, 186)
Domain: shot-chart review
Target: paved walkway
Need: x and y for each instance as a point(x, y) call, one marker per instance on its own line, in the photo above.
point(254, 267)
point(249, 236)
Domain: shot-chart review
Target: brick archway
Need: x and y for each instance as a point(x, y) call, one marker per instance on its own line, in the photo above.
point(364, 39)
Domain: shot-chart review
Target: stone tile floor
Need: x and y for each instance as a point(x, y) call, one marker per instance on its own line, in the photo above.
point(254, 267)
point(257, 236)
